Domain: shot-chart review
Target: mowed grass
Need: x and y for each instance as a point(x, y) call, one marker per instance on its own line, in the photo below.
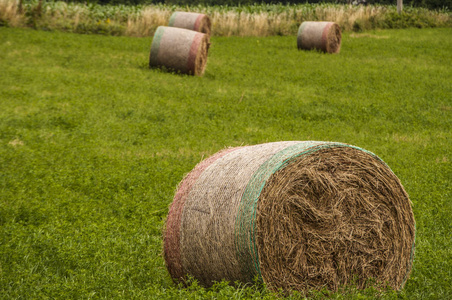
point(93, 145)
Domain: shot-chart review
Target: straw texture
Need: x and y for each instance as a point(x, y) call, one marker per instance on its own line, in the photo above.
point(298, 215)
point(324, 36)
point(179, 50)
point(192, 21)
point(345, 218)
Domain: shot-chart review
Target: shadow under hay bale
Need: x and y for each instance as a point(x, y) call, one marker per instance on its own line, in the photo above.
point(180, 50)
point(192, 21)
point(324, 36)
point(298, 215)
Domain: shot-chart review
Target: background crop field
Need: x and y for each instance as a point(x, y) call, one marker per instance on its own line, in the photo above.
point(93, 144)
point(242, 20)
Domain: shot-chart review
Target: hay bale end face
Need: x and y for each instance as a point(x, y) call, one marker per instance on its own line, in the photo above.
point(192, 21)
point(180, 50)
point(298, 215)
point(324, 36)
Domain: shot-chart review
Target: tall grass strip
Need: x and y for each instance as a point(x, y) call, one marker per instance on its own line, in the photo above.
point(11, 13)
point(253, 20)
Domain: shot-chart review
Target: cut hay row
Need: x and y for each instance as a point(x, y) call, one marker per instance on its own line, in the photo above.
point(179, 49)
point(296, 215)
point(324, 36)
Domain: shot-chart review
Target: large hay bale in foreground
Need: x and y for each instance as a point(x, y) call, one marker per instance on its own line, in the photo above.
point(179, 49)
point(298, 215)
point(191, 21)
point(324, 36)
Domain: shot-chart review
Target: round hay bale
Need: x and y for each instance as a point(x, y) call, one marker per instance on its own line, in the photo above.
point(296, 215)
point(324, 36)
point(180, 50)
point(192, 21)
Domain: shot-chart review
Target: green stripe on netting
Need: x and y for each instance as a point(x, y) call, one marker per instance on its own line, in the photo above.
point(156, 46)
point(245, 239)
point(300, 30)
point(172, 19)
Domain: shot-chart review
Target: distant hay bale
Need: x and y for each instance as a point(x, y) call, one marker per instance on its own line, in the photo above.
point(180, 50)
point(192, 21)
point(298, 215)
point(324, 36)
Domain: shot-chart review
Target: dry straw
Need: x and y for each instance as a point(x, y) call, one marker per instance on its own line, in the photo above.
point(298, 215)
point(11, 13)
point(178, 49)
point(193, 21)
point(324, 36)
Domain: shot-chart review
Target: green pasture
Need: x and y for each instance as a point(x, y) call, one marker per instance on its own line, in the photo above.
point(93, 144)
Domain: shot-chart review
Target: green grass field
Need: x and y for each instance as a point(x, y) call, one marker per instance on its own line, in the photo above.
point(93, 144)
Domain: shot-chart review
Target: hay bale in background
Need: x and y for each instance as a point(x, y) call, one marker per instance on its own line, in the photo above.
point(325, 36)
point(299, 215)
point(191, 21)
point(179, 49)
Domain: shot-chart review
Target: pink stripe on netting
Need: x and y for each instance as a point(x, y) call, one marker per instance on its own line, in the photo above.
point(198, 22)
point(325, 36)
point(193, 52)
point(172, 233)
